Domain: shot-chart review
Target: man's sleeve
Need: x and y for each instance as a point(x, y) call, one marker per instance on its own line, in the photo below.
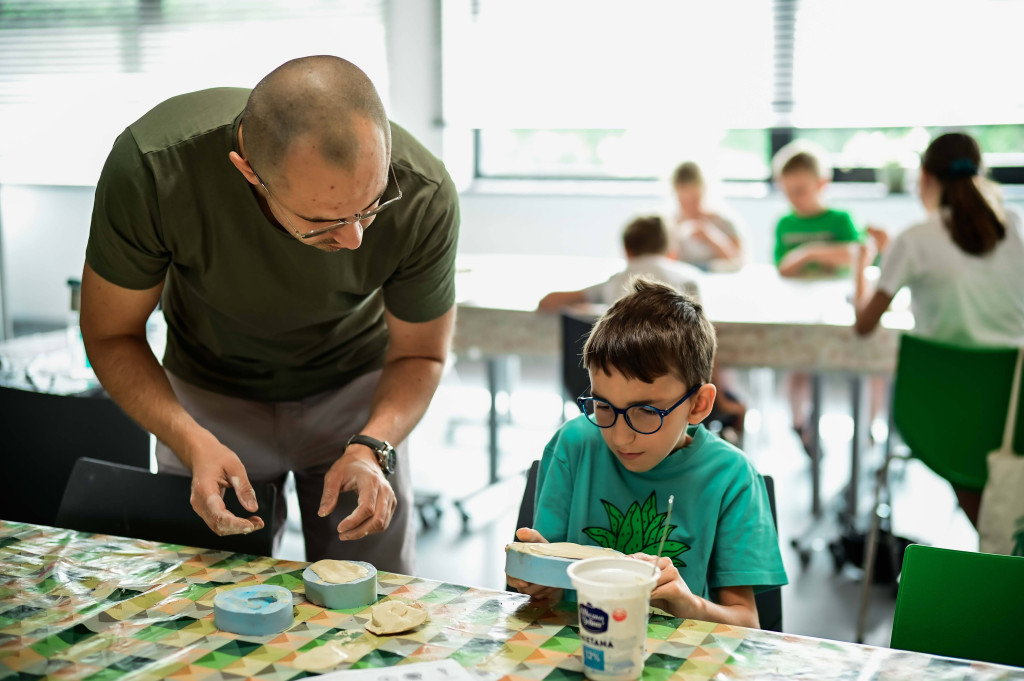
point(423, 286)
point(746, 550)
point(126, 246)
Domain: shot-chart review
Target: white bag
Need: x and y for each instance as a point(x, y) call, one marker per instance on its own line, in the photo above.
point(1001, 517)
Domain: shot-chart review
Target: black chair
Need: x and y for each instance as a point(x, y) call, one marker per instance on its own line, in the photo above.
point(526, 508)
point(769, 603)
point(109, 498)
point(43, 435)
point(575, 331)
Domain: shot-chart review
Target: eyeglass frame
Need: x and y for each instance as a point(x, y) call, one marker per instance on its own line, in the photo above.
point(660, 412)
point(357, 217)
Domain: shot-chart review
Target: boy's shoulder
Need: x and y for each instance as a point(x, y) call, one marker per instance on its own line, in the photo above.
point(839, 215)
point(828, 215)
point(721, 454)
point(575, 436)
point(787, 221)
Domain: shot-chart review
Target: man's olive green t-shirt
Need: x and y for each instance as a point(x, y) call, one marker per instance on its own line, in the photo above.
point(252, 311)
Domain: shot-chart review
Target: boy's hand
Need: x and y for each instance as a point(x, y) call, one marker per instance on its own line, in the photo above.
point(829, 256)
point(879, 236)
point(536, 592)
point(793, 262)
point(528, 534)
point(671, 593)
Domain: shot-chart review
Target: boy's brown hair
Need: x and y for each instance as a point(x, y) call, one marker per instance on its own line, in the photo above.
point(645, 236)
point(687, 173)
point(802, 161)
point(654, 331)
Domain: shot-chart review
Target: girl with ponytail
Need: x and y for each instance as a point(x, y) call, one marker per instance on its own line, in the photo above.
point(964, 264)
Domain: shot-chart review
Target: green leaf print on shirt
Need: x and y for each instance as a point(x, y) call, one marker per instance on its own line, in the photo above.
point(637, 531)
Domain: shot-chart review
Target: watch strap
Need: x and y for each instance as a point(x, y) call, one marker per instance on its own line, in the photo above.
point(381, 448)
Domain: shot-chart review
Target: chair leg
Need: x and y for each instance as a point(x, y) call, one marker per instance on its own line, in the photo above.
point(870, 550)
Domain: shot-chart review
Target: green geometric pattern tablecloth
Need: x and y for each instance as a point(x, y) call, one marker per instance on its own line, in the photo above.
point(101, 608)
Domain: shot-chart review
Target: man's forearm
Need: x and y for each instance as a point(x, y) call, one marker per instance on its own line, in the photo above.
point(133, 377)
point(402, 396)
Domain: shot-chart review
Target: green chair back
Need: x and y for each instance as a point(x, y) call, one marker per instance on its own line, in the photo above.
point(949, 405)
point(961, 604)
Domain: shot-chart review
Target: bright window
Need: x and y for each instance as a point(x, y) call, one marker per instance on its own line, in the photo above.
point(604, 88)
point(599, 89)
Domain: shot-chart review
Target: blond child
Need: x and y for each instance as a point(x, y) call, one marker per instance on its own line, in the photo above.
point(699, 235)
point(811, 239)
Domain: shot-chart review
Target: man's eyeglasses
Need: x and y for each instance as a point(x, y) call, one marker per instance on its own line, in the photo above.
point(392, 191)
point(643, 418)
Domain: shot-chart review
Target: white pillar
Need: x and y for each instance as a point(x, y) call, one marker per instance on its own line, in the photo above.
point(414, 69)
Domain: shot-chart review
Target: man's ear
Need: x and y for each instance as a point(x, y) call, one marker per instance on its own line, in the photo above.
point(703, 401)
point(243, 167)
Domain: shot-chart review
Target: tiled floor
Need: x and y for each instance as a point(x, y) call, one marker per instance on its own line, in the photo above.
point(449, 456)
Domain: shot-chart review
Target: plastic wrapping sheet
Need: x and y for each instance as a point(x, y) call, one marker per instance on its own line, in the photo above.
point(102, 608)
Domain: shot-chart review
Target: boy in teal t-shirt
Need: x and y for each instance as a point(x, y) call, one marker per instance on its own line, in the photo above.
point(606, 476)
point(812, 237)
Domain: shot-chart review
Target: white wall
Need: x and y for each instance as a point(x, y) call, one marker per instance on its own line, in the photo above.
point(592, 224)
point(45, 230)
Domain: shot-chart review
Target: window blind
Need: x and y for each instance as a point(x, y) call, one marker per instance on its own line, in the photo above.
point(74, 73)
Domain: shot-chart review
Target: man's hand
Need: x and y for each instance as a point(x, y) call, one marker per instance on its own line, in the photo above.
point(357, 470)
point(536, 592)
point(214, 470)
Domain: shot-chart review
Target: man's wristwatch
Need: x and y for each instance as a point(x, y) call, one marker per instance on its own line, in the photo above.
point(382, 448)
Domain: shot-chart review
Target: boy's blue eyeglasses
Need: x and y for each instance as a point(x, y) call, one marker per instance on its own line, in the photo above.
point(643, 418)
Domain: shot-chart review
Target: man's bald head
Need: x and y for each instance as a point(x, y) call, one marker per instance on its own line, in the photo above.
point(312, 97)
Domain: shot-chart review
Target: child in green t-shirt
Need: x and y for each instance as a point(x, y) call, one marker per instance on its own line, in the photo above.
point(606, 476)
point(812, 237)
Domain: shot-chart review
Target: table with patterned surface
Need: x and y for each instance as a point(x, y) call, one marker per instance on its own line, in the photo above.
point(103, 608)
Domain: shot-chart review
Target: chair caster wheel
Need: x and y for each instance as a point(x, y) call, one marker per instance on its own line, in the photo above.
point(802, 553)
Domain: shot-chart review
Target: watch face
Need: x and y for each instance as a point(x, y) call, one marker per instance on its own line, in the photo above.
point(389, 461)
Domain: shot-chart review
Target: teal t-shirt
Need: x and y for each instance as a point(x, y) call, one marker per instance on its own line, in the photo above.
point(830, 226)
point(721, 533)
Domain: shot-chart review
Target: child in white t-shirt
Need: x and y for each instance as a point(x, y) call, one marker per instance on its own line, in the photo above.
point(964, 264)
point(645, 242)
point(698, 235)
